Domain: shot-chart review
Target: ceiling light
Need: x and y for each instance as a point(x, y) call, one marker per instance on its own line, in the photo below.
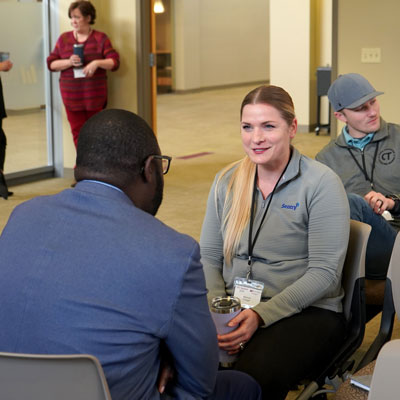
point(158, 7)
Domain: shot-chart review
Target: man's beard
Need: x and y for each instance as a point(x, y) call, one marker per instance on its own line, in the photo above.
point(158, 195)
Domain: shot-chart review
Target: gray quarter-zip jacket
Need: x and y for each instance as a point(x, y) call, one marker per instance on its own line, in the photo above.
point(379, 162)
point(301, 246)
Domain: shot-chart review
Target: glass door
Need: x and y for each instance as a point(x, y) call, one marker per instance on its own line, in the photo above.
point(26, 88)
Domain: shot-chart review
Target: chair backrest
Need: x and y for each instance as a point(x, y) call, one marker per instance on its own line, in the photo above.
point(61, 377)
point(354, 264)
point(353, 307)
point(391, 305)
point(394, 274)
point(385, 379)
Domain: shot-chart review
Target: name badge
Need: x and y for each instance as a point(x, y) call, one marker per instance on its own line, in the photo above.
point(78, 73)
point(248, 291)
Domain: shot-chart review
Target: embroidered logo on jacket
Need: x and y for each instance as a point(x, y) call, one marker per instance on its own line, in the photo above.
point(290, 207)
point(387, 156)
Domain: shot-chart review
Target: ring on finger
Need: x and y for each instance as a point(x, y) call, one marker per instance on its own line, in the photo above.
point(241, 345)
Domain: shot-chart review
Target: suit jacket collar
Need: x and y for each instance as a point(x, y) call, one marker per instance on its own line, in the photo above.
point(98, 189)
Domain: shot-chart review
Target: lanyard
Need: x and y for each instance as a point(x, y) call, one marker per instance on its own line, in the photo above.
point(363, 168)
point(251, 242)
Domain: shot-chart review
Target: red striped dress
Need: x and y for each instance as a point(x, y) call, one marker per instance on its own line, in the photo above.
point(80, 94)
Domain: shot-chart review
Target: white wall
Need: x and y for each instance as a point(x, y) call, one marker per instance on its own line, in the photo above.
point(220, 42)
point(186, 51)
point(301, 37)
point(290, 52)
point(370, 23)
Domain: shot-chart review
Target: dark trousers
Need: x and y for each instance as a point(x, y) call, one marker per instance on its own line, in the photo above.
point(381, 240)
point(234, 385)
point(229, 385)
point(292, 349)
point(3, 145)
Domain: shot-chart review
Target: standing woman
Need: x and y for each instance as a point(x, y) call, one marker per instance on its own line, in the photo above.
point(83, 86)
point(277, 222)
point(4, 66)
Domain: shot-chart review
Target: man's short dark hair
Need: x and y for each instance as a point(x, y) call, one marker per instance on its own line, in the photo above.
point(114, 144)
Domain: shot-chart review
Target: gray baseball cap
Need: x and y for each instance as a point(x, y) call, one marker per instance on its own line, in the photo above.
point(350, 91)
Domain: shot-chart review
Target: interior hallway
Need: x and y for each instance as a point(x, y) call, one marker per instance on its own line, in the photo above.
point(201, 132)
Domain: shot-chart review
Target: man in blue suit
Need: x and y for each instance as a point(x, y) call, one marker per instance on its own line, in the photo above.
point(90, 270)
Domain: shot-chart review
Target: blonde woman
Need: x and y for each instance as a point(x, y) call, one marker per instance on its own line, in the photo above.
point(275, 234)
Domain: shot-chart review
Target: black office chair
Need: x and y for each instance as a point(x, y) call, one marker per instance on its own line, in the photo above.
point(392, 292)
point(354, 311)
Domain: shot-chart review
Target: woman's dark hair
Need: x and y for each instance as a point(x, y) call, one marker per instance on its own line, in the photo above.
point(85, 7)
point(274, 96)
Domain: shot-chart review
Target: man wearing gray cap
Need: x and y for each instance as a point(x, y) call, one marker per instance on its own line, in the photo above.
point(366, 156)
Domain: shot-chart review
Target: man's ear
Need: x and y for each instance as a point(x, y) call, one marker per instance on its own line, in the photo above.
point(148, 170)
point(340, 116)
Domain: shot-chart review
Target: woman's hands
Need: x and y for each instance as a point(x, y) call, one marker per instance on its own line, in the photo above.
point(75, 60)
point(248, 321)
point(105, 63)
point(91, 68)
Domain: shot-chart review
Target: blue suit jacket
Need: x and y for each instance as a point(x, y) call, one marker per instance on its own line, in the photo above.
point(85, 271)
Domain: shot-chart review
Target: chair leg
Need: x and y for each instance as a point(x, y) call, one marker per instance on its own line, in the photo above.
point(308, 391)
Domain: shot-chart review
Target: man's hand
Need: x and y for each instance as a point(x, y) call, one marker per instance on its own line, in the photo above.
point(248, 321)
point(167, 371)
point(378, 202)
point(165, 375)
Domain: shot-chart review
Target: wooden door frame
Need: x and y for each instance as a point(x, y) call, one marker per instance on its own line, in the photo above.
point(146, 74)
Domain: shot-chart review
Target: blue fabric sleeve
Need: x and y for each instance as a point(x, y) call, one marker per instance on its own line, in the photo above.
point(192, 337)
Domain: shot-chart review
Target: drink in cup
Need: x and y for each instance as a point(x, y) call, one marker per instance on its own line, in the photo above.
point(78, 50)
point(223, 309)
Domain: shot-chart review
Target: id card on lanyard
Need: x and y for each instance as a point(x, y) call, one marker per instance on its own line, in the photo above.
point(249, 291)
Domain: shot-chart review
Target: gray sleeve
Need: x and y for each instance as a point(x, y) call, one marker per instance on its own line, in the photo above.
point(328, 233)
point(327, 156)
point(320, 157)
point(211, 244)
point(192, 337)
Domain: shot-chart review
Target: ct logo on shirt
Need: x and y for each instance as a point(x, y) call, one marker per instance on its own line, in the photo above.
point(387, 156)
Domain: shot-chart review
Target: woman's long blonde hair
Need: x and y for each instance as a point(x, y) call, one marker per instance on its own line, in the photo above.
point(236, 211)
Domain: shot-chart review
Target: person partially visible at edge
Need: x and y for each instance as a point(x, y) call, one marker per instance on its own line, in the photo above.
point(278, 221)
point(4, 192)
point(91, 270)
point(87, 95)
point(366, 156)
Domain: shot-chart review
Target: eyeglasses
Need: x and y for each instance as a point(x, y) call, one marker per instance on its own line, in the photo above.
point(166, 162)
